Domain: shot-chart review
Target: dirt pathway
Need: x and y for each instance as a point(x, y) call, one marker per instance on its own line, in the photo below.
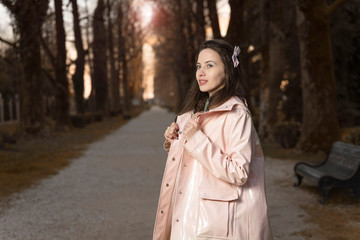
point(111, 192)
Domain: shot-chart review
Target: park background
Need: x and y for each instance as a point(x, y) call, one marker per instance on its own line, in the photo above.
point(68, 66)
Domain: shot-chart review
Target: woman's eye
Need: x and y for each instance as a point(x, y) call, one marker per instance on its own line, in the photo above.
point(209, 65)
point(198, 66)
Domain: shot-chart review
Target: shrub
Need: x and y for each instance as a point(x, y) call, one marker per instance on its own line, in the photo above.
point(77, 121)
point(287, 133)
point(98, 116)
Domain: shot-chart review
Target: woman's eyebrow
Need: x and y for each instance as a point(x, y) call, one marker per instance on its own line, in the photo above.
point(207, 62)
point(210, 61)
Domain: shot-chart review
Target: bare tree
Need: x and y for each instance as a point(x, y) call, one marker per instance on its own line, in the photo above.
point(122, 56)
point(277, 19)
point(165, 82)
point(320, 118)
point(131, 37)
point(244, 31)
point(78, 76)
point(100, 60)
point(200, 22)
point(182, 48)
point(29, 18)
point(236, 33)
point(178, 24)
point(265, 66)
point(62, 86)
point(114, 72)
point(58, 62)
point(89, 57)
point(214, 19)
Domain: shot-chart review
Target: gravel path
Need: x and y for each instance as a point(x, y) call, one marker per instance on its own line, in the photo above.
point(111, 192)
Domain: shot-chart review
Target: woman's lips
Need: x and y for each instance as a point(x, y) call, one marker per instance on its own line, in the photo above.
point(202, 81)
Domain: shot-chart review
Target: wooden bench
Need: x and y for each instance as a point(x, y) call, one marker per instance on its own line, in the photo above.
point(340, 169)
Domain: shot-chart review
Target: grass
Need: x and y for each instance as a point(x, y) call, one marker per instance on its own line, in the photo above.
point(30, 160)
point(339, 218)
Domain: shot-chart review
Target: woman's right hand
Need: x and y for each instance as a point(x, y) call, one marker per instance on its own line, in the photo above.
point(171, 132)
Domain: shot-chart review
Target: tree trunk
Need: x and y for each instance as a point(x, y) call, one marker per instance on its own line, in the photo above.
point(99, 49)
point(214, 19)
point(265, 69)
point(115, 97)
point(181, 53)
point(236, 33)
point(189, 23)
point(200, 23)
point(320, 121)
point(274, 42)
point(277, 63)
point(62, 87)
point(78, 76)
point(89, 59)
point(123, 61)
point(29, 19)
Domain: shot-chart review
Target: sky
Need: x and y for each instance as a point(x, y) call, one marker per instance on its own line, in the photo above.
point(224, 15)
point(5, 29)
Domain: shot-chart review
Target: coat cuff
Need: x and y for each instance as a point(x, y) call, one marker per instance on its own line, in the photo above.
point(195, 141)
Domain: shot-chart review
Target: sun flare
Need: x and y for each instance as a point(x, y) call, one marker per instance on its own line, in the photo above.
point(146, 13)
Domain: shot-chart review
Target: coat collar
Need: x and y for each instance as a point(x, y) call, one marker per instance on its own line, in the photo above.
point(230, 104)
point(233, 102)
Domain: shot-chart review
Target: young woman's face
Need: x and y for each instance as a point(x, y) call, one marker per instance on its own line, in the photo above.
point(210, 71)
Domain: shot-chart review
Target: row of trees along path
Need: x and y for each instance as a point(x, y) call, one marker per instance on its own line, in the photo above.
point(279, 40)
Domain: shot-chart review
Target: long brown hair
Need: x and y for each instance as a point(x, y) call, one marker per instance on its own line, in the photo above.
point(195, 99)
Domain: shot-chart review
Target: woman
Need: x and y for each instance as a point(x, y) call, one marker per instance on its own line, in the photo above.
point(213, 184)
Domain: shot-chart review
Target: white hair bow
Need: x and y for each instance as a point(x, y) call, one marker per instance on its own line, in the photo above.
point(234, 56)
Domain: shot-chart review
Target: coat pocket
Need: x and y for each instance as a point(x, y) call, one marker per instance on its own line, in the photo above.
point(216, 213)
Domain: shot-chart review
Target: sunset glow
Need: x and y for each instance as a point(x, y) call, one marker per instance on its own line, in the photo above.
point(146, 13)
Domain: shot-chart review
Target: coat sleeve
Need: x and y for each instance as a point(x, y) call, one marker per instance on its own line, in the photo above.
point(232, 167)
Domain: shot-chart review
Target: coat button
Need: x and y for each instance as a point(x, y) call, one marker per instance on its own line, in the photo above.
point(177, 220)
point(162, 212)
point(167, 185)
point(180, 192)
point(173, 159)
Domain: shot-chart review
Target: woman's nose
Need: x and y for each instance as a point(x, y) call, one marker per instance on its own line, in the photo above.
point(201, 72)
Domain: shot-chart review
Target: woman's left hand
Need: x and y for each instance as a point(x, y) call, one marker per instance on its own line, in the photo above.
point(191, 127)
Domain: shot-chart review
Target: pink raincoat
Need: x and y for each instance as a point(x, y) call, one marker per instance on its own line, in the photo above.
point(213, 184)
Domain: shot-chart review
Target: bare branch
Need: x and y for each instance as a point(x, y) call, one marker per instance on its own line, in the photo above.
point(52, 80)
point(47, 51)
point(49, 77)
point(335, 5)
point(9, 43)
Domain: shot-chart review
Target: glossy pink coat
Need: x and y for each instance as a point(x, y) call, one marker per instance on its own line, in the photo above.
point(213, 185)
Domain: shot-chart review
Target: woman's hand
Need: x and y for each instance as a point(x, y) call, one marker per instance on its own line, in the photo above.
point(191, 127)
point(171, 132)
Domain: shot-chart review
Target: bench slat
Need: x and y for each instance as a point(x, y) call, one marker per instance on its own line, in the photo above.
point(317, 173)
